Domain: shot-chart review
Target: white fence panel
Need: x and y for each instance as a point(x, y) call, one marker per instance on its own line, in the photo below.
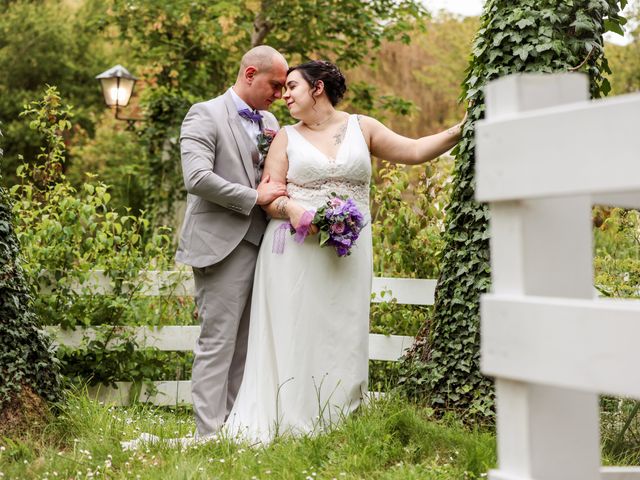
point(179, 283)
point(620, 473)
point(183, 338)
point(606, 473)
point(563, 342)
point(556, 160)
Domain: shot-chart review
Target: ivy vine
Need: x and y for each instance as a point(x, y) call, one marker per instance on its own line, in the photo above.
point(515, 36)
point(28, 364)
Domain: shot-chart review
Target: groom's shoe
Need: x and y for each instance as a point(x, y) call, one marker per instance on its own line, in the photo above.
point(203, 438)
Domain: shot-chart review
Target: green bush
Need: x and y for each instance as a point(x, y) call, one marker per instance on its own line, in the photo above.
point(115, 156)
point(617, 274)
point(408, 219)
point(66, 236)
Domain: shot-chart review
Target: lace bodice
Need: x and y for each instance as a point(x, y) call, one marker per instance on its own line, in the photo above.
point(313, 176)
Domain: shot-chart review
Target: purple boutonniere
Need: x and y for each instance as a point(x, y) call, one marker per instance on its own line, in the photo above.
point(265, 137)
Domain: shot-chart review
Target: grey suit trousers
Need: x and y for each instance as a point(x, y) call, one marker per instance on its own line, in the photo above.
point(223, 298)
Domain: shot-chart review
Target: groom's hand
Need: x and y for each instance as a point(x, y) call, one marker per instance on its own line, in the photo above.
point(268, 191)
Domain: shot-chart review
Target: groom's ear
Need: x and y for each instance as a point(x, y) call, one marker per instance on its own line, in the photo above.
point(250, 73)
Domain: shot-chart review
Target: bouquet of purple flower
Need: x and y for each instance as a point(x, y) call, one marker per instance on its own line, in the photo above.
point(339, 223)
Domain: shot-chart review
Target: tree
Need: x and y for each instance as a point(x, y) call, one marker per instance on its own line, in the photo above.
point(46, 42)
point(28, 366)
point(190, 51)
point(426, 72)
point(625, 60)
point(514, 36)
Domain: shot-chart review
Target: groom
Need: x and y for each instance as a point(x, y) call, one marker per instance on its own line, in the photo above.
point(224, 224)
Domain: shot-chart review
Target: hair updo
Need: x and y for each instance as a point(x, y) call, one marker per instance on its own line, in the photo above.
point(334, 83)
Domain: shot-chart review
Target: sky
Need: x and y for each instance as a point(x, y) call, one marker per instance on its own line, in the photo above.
point(474, 7)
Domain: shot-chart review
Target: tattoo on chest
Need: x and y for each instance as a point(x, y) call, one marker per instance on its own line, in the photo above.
point(339, 136)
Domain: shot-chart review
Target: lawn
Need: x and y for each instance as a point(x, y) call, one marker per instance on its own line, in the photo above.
point(388, 439)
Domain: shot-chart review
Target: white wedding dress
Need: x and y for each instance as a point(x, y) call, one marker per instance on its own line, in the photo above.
point(307, 360)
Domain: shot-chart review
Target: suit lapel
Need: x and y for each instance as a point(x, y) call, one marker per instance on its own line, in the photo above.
point(241, 138)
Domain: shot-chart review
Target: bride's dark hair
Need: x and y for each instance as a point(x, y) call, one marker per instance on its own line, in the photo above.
point(334, 83)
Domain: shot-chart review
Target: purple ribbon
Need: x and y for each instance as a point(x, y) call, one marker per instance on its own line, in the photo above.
point(251, 115)
point(279, 236)
point(303, 227)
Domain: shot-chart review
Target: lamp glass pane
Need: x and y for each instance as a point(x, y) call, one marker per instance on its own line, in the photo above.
point(117, 92)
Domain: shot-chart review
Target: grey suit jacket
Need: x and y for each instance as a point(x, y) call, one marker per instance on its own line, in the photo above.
point(220, 177)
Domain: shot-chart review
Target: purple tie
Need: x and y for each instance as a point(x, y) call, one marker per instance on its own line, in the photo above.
point(251, 115)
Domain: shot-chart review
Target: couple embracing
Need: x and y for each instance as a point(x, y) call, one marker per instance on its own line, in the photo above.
point(283, 347)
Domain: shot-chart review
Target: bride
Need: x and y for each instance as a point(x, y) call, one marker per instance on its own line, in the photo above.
point(307, 358)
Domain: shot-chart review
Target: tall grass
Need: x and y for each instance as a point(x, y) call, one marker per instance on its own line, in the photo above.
point(387, 439)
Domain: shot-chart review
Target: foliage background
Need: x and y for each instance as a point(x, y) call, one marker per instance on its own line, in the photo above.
point(118, 185)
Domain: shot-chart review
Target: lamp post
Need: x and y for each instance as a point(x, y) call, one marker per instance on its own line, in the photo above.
point(117, 86)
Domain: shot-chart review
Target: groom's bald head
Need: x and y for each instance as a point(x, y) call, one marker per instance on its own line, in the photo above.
point(262, 58)
point(262, 74)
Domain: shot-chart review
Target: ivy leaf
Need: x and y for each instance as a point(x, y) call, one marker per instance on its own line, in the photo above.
point(551, 16)
point(613, 26)
point(523, 51)
point(525, 22)
point(493, 55)
point(543, 47)
point(583, 24)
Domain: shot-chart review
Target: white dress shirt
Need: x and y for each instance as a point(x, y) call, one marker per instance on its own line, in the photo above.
point(252, 128)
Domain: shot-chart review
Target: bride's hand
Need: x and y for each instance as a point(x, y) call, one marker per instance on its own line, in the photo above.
point(295, 216)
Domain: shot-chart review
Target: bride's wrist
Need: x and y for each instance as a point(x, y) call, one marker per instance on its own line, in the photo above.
point(281, 204)
point(455, 131)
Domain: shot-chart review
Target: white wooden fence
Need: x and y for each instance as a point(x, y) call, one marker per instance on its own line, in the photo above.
point(183, 338)
point(545, 155)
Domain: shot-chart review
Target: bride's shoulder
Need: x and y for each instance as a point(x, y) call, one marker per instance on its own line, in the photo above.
point(293, 126)
point(365, 119)
point(367, 124)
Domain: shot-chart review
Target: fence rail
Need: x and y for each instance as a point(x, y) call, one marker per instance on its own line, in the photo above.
point(404, 291)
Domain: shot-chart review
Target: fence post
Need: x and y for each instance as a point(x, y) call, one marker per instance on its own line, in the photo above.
point(542, 247)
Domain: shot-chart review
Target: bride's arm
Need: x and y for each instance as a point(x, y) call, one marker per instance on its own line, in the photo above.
point(275, 170)
point(385, 143)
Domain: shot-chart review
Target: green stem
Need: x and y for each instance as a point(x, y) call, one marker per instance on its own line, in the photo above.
point(620, 437)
